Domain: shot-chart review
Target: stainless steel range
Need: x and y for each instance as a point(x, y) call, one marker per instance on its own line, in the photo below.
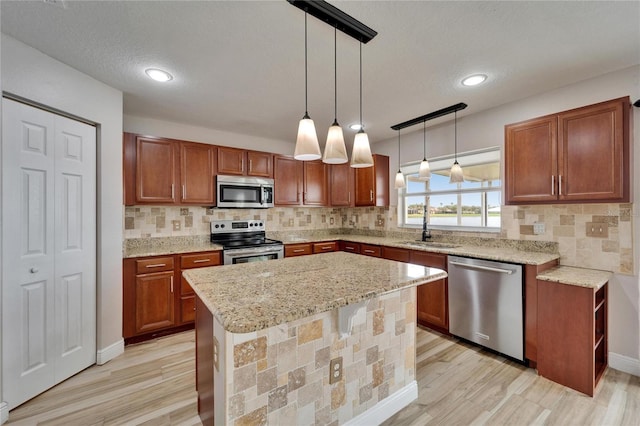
point(244, 241)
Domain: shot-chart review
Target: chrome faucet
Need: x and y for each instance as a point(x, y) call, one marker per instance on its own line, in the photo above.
point(425, 231)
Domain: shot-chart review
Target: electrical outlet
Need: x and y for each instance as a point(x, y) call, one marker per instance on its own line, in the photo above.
point(380, 222)
point(331, 221)
point(597, 229)
point(538, 228)
point(176, 225)
point(216, 356)
point(335, 370)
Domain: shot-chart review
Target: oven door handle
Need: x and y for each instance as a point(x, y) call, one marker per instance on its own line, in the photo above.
point(254, 250)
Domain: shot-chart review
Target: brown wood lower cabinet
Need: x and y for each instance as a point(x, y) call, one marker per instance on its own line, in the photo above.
point(572, 334)
point(156, 299)
point(371, 250)
point(433, 301)
point(205, 357)
point(350, 247)
point(397, 254)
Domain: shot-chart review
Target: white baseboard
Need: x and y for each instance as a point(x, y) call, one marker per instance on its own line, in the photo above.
point(387, 407)
point(110, 352)
point(624, 363)
point(4, 412)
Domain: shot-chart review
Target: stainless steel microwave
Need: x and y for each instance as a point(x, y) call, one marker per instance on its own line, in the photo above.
point(240, 192)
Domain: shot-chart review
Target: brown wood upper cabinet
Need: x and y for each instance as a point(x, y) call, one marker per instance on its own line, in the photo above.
point(341, 178)
point(300, 182)
point(234, 161)
point(372, 183)
point(164, 171)
point(581, 155)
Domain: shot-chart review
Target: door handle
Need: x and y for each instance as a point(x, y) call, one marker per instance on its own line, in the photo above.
point(201, 260)
point(171, 284)
point(559, 184)
point(553, 185)
point(156, 265)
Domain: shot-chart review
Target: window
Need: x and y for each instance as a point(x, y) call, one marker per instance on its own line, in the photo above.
point(471, 205)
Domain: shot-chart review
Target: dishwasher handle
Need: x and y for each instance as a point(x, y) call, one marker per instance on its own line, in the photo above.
point(482, 268)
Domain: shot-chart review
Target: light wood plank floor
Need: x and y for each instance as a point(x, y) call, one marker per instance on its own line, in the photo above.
point(153, 384)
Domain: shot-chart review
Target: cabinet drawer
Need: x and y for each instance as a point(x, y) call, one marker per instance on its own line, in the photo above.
point(397, 254)
point(156, 264)
point(297, 249)
point(199, 260)
point(324, 247)
point(371, 250)
point(188, 309)
point(432, 260)
point(350, 247)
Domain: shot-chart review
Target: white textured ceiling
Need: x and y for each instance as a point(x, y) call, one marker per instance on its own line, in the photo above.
point(239, 65)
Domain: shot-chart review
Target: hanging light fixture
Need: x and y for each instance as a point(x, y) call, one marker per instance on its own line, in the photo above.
point(307, 147)
point(424, 173)
point(399, 176)
point(361, 154)
point(456, 175)
point(335, 151)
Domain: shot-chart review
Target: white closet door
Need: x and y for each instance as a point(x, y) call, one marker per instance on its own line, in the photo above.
point(48, 240)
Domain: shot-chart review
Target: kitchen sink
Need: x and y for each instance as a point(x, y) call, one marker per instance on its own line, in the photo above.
point(427, 244)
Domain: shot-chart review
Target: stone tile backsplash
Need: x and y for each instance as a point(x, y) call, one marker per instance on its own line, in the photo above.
point(564, 224)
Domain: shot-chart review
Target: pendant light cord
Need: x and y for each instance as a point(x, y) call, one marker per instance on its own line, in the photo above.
point(335, 74)
point(306, 110)
point(424, 141)
point(455, 136)
point(398, 150)
point(361, 125)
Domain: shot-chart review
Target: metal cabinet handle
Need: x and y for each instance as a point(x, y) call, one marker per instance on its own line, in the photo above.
point(349, 197)
point(184, 191)
point(368, 251)
point(349, 248)
point(172, 191)
point(242, 165)
point(298, 250)
point(34, 270)
point(559, 184)
point(327, 248)
point(250, 165)
point(172, 284)
point(201, 260)
point(156, 265)
point(371, 194)
point(553, 185)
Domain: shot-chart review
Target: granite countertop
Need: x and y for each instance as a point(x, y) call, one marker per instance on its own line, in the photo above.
point(141, 247)
point(255, 296)
point(501, 250)
point(581, 277)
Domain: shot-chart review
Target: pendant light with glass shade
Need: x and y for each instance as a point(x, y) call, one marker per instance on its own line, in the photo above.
point(361, 154)
point(424, 173)
point(456, 175)
point(307, 147)
point(399, 176)
point(335, 151)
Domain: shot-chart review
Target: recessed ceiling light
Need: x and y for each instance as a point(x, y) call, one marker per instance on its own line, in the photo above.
point(474, 80)
point(158, 75)
point(355, 126)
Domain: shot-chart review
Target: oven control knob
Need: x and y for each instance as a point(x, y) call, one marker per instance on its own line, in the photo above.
point(222, 226)
point(217, 226)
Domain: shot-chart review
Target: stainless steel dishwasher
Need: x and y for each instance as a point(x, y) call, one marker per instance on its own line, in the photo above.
point(486, 304)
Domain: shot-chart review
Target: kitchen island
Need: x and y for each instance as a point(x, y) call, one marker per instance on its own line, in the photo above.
point(270, 335)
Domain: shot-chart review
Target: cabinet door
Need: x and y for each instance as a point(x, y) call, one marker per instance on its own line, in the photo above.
point(155, 171)
point(325, 247)
point(371, 250)
point(315, 184)
point(154, 302)
point(566, 335)
point(372, 183)
point(432, 297)
point(350, 247)
point(260, 164)
point(231, 161)
point(341, 185)
point(531, 161)
point(197, 172)
point(591, 153)
point(287, 175)
point(365, 179)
